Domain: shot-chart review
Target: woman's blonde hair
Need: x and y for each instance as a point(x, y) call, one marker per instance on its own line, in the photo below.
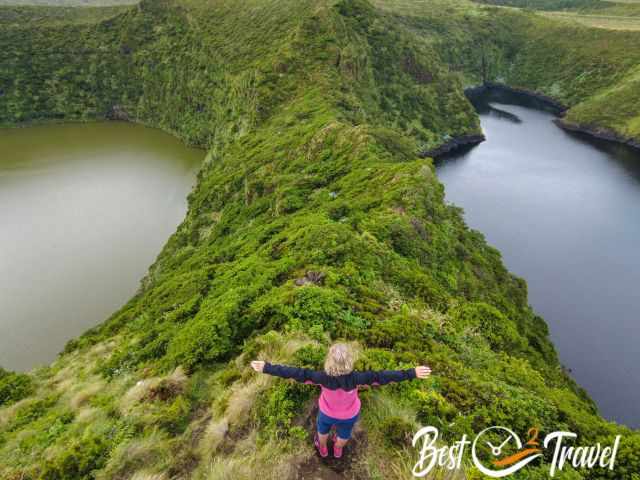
point(340, 360)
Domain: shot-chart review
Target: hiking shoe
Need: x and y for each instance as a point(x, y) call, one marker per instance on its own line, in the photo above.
point(337, 451)
point(324, 452)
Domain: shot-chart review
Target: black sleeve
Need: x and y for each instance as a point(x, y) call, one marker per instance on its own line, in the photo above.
point(301, 375)
point(382, 377)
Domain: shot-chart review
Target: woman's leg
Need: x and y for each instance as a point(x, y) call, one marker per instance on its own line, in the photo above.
point(322, 439)
point(343, 435)
point(341, 442)
point(324, 425)
point(344, 429)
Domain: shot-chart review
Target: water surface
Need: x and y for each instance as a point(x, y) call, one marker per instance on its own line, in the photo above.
point(563, 210)
point(84, 211)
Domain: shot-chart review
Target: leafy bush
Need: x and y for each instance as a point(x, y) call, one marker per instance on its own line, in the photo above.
point(278, 407)
point(434, 409)
point(14, 387)
point(397, 431)
point(311, 356)
point(79, 461)
point(31, 412)
point(174, 417)
point(205, 338)
point(497, 329)
point(314, 305)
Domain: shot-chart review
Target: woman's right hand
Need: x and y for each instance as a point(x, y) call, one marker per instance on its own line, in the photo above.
point(423, 371)
point(257, 365)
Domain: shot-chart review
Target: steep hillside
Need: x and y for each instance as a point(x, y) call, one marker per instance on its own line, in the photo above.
point(592, 71)
point(313, 219)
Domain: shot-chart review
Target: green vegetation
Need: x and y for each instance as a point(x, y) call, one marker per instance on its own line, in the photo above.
point(32, 16)
point(313, 219)
point(549, 4)
point(68, 3)
point(591, 71)
point(577, 8)
point(13, 387)
point(609, 22)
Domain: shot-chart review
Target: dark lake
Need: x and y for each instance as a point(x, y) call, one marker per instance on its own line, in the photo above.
point(562, 210)
point(84, 211)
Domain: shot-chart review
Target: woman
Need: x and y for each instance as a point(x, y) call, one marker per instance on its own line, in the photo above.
point(339, 403)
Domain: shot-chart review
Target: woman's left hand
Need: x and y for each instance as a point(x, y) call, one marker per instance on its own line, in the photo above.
point(257, 365)
point(423, 371)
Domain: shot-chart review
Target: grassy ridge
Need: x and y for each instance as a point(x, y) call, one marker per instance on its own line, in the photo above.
point(617, 8)
point(67, 3)
point(609, 22)
point(610, 15)
point(30, 16)
point(313, 219)
point(549, 4)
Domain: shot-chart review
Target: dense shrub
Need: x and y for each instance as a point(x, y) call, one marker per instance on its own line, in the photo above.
point(79, 461)
point(203, 339)
point(278, 407)
point(174, 417)
point(314, 305)
point(397, 431)
point(498, 330)
point(14, 386)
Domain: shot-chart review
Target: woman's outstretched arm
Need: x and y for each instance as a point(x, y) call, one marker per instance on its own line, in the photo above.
point(382, 377)
point(302, 375)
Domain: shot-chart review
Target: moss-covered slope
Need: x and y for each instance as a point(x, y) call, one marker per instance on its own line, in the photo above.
point(313, 219)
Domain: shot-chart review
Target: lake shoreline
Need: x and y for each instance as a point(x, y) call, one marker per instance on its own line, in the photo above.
point(594, 131)
point(546, 100)
point(454, 144)
point(558, 107)
point(474, 139)
point(597, 132)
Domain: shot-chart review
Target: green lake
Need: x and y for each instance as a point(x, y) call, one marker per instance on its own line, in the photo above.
point(84, 211)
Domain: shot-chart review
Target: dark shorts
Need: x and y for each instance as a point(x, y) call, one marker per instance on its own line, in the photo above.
point(343, 427)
